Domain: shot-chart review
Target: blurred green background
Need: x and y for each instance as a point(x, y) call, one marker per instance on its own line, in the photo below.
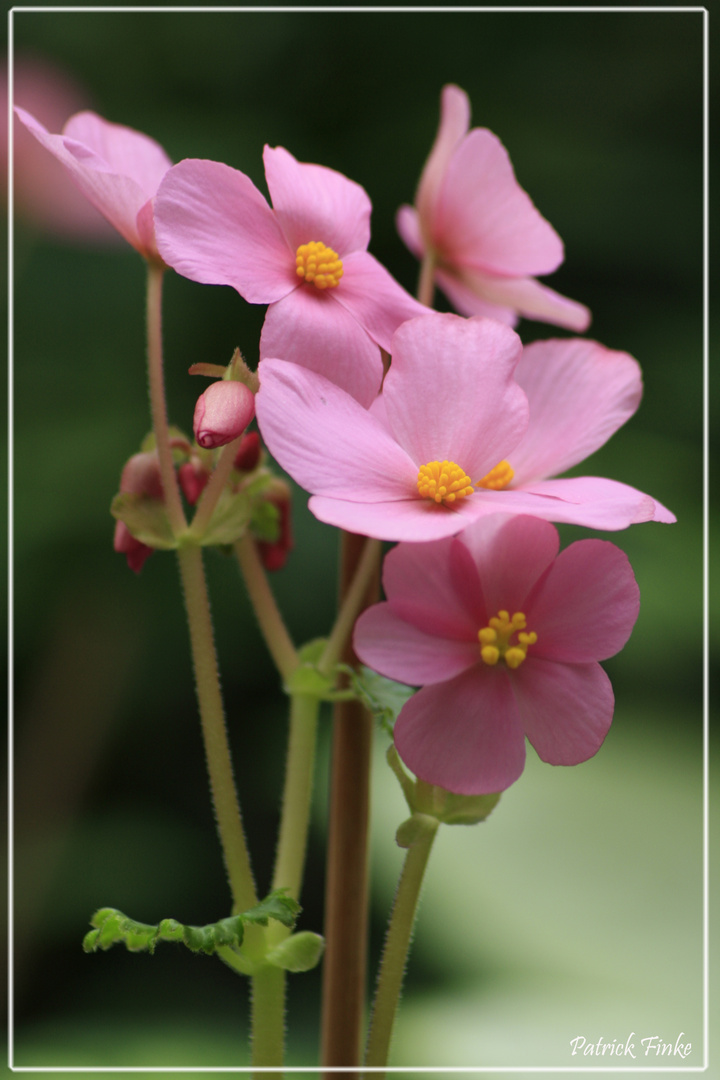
point(577, 909)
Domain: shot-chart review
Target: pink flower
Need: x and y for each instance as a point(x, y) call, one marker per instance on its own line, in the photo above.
point(504, 635)
point(215, 227)
point(116, 168)
point(222, 413)
point(450, 406)
point(482, 229)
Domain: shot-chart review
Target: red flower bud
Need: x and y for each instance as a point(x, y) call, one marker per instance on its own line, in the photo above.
point(141, 476)
point(222, 413)
point(273, 555)
point(249, 452)
point(193, 477)
point(134, 550)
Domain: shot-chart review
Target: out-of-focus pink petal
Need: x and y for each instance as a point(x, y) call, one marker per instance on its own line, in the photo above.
point(527, 297)
point(585, 607)
point(127, 152)
point(566, 709)
point(450, 393)
point(309, 328)
point(327, 442)
point(414, 520)
point(400, 651)
point(468, 301)
point(511, 554)
point(485, 220)
point(118, 197)
point(407, 223)
point(592, 501)
point(313, 202)
point(214, 226)
point(437, 590)
point(374, 297)
point(454, 123)
point(464, 735)
point(580, 393)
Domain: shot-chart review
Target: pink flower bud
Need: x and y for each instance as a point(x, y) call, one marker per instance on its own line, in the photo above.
point(141, 476)
point(273, 555)
point(222, 413)
point(249, 452)
point(134, 550)
point(193, 477)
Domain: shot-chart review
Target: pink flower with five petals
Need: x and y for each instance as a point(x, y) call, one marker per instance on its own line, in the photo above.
point(482, 230)
point(504, 637)
point(215, 227)
point(458, 402)
point(116, 168)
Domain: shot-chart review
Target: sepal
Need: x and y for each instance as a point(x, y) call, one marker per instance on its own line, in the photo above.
point(299, 952)
point(145, 517)
point(430, 801)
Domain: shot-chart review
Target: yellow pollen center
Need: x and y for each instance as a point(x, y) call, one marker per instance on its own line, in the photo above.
point(495, 639)
point(498, 478)
point(318, 264)
point(443, 481)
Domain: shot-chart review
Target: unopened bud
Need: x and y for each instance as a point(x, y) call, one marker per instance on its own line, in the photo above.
point(222, 413)
point(273, 554)
point(134, 550)
point(140, 476)
point(193, 477)
point(249, 452)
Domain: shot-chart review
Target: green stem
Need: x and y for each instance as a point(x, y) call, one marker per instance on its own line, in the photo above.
point(397, 943)
point(212, 718)
point(351, 606)
point(268, 616)
point(268, 1020)
point(426, 283)
point(158, 408)
point(213, 491)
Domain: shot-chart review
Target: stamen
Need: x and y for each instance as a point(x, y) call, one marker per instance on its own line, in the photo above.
point(498, 478)
point(495, 638)
point(318, 264)
point(443, 481)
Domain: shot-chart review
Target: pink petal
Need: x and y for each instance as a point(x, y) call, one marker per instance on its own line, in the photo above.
point(464, 735)
point(585, 608)
point(407, 223)
point(435, 587)
point(309, 328)
point(214, 226)
point(580, 393)
point(326, 441)
point(412, 519)
point(566, 709)
point(127, 152)
point(511, 554)
point(374, 297)
point(466, 298)
point(483, 217)
point(524, 295)
point(315, 203)
point(118, 198)
point(592, 501)
point(450, 393)
point(454, 123)
point(395, 648)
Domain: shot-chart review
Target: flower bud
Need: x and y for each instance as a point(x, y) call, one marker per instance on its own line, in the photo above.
point(249, 452)
point(193, 477)
point(140, 476)
point(134, 550)
point(273, 554)
point(222, 413)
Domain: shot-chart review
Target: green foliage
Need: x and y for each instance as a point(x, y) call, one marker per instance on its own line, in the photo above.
point(112, 927)
point(299, 952)
point(383, 697)
point(146, 518)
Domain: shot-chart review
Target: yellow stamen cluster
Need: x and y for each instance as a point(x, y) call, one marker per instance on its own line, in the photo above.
point(319, 264)
point(495, 639)
point(443, 481)
point(498, 478)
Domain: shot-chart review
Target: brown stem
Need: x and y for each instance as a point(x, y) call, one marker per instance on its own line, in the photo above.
point(346, 889)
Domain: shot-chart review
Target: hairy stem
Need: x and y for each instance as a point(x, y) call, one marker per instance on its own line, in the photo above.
point(268, 616)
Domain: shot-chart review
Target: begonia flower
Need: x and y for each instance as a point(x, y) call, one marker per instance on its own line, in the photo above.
point(504, 636)
point(485, 236)
point(116, 168)
point(222, 413)
point(332, 306)
point(449, 439)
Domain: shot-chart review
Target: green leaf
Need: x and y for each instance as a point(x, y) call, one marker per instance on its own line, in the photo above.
point(383, 697)
point(112, 927)
point(265, 521)
point(299, 952)
point(229, 519)
point(146, 518)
